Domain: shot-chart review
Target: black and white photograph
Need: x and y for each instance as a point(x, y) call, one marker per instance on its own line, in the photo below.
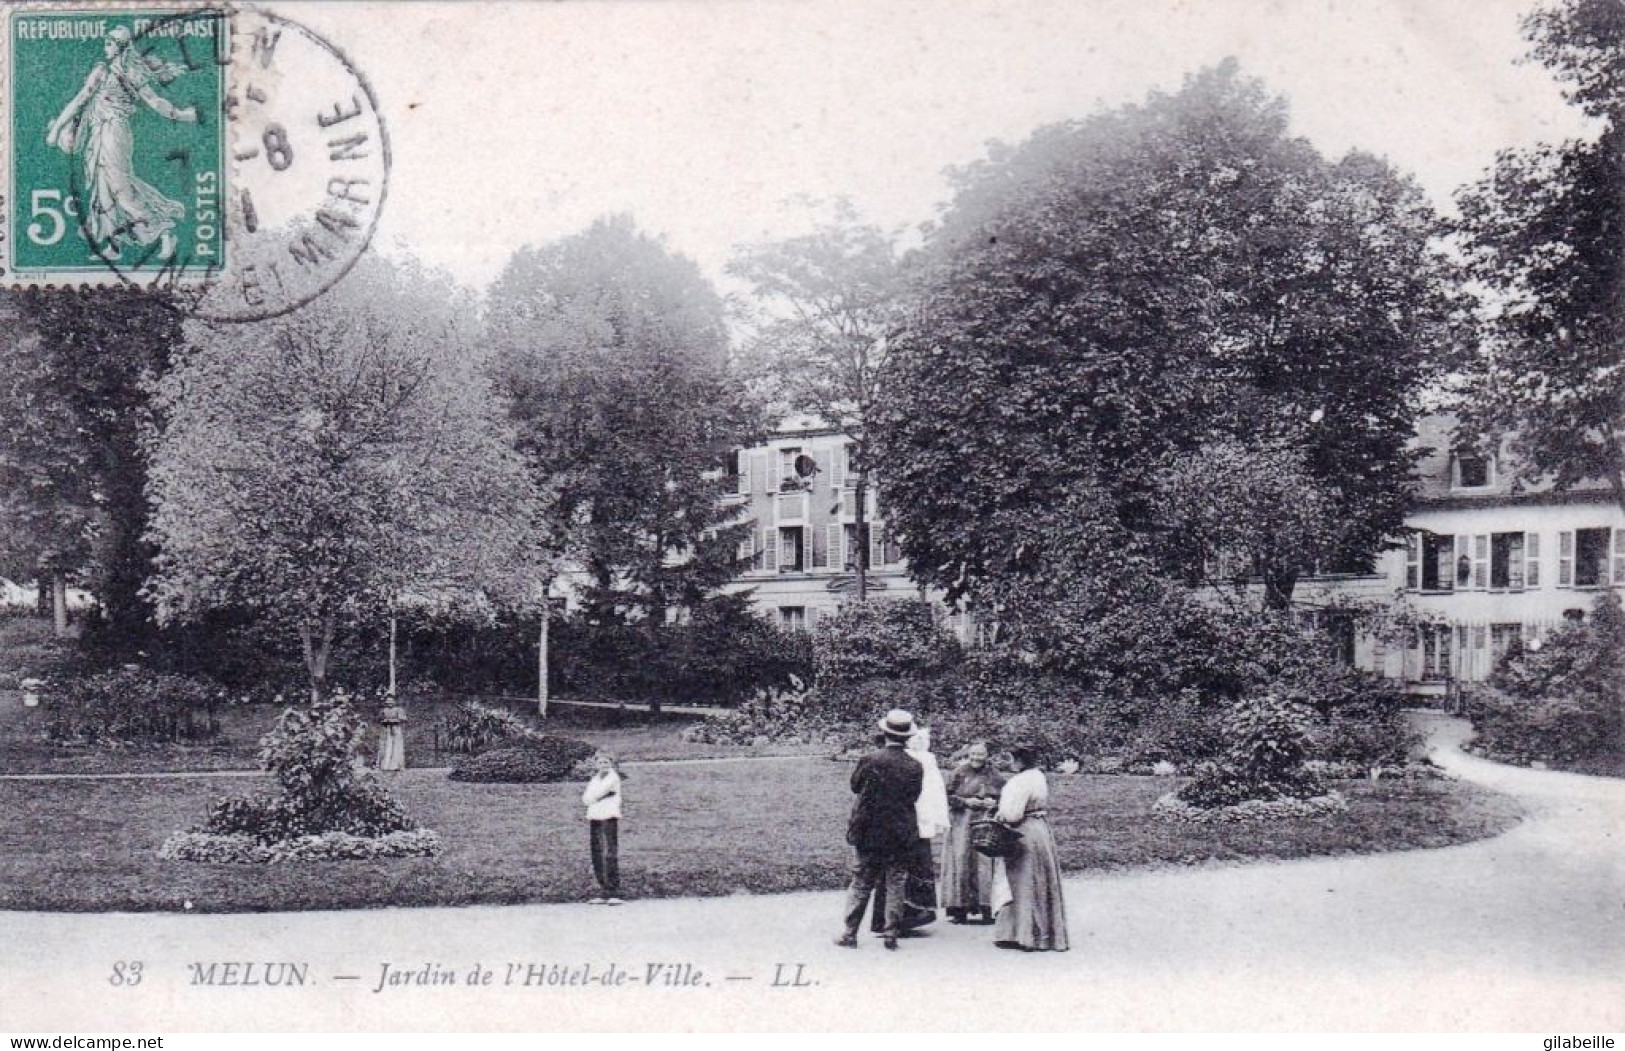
point(812, 516)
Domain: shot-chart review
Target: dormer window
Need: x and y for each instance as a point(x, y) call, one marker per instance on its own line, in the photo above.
point(1472, 471)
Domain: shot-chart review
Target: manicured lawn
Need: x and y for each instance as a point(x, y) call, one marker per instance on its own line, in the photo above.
point(690, 829)
point(628, 734)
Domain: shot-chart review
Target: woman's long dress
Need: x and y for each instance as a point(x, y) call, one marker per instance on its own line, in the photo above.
point(967, 875)
point(1027, 884)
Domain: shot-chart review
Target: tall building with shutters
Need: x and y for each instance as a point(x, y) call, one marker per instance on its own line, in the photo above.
point(799, 493)
point(1488, 563)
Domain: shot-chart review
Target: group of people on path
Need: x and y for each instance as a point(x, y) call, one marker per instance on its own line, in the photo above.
point(904, 806)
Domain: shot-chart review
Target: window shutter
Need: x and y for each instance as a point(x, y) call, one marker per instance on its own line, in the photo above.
point(837, 560)
point(826, 460)
point(742, 481)
point(877, 545)
point(1619, 556)
point(1481, 561)
point(1565, 559)
point(1413, 562)
point(837, 468)
point(770, 550)
point(747, 549)
point(1531, 560)
point(819, 556)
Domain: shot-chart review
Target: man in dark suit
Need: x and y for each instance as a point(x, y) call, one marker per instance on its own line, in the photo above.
point(883, 829)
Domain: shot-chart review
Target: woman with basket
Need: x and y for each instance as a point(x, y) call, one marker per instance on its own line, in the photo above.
point(967, 874)
point(1027, 902)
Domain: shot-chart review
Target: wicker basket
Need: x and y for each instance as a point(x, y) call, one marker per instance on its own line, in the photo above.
point(994, 838)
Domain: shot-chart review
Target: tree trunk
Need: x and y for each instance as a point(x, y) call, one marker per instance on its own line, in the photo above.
point(861, 529)
point(59, 602)
point(1278, 586)
point(316, 653)
point(541, 659)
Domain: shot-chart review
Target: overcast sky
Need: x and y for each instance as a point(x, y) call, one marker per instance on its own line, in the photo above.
point(707, 121)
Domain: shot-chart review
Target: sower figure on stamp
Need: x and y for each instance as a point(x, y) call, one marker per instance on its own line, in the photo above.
point(119, 206)
point(884, 829)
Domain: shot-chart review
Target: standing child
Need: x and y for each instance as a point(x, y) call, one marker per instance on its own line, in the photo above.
point(603, 799)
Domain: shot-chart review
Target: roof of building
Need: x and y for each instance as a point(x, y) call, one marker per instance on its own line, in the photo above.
point(1437, 486)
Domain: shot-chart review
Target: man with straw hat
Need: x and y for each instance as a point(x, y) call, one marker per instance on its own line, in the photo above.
point(884, 828)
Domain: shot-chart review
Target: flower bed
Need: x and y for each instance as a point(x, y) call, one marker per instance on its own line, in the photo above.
point(1172, 808)
point(241, 849)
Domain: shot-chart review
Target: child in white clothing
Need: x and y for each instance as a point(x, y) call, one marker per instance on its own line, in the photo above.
point(603, 799)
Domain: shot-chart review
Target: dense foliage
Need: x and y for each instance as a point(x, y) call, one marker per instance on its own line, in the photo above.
point(720, 655)
point(131, 705)
point(881, 638)
point(1541, 237)
point(75, 381)
point(1562, 702)
point(1126, 288)
point(611, 353)
point(1267, 739)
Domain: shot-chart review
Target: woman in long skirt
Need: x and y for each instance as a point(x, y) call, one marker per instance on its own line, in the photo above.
point(1027, 900)
point(967, 875)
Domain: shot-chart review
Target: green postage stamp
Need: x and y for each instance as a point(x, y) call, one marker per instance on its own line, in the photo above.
point(116, 144)
point(223, 157)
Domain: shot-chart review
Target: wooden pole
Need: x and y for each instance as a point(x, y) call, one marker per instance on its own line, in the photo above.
point(392, 654)
point(541, 660)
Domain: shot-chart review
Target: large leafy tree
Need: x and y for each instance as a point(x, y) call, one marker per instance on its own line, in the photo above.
point(325, 468)
point(831, 303)
point(1543, 233)
point(1124, 289)
point(612, 354)
point(75, 370)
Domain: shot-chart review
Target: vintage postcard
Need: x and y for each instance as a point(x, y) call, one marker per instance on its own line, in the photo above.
point(1089, 516)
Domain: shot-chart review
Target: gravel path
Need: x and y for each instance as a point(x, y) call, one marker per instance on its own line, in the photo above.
point(1524, 932)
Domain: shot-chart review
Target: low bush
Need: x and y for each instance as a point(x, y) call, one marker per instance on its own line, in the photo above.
point(314, 755)
point(242, 849)
point(542, 759)
point(1556, 729)
point(1267, 740)
point(130, 705)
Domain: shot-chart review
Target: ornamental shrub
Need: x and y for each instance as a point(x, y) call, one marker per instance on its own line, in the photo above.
point(474, 727)
point(539, 759)
point(1267, 739)
point(881, 638)
point(130, 705)
point(314, 753)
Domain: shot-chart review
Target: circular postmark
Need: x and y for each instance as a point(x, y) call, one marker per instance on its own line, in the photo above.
point(281, 158)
